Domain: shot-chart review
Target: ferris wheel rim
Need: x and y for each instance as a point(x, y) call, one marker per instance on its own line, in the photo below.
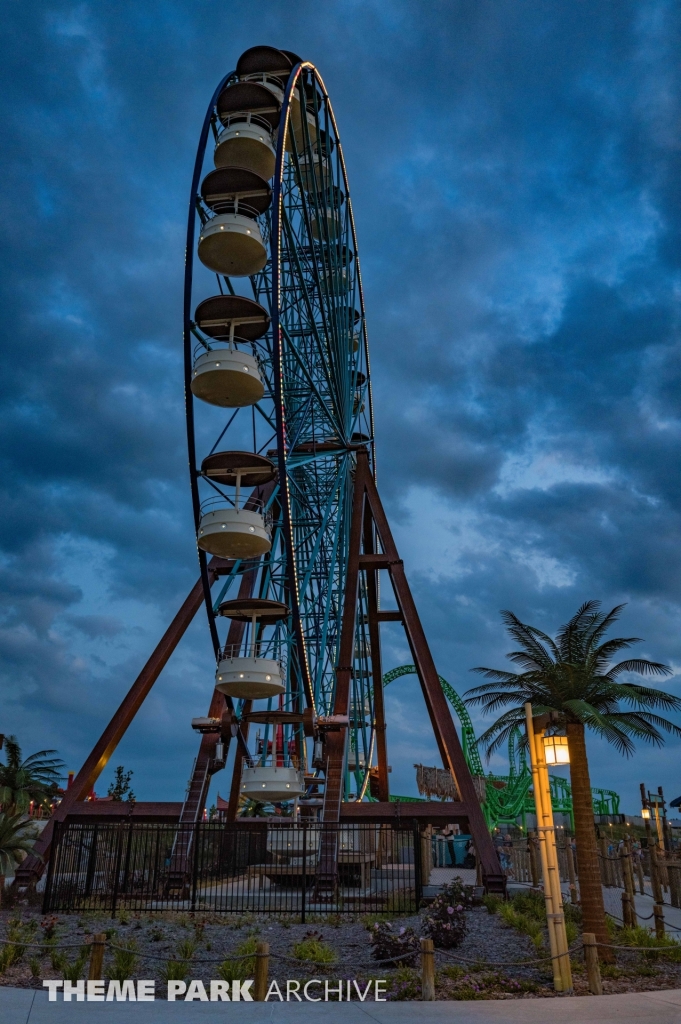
point(187, 347)
point(275, 253)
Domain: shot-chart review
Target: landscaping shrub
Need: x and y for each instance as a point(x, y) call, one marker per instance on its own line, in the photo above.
point(313, 948)
point(445, 920)
point(397, 948)
point(236, 970)
point(77, 969)
point(124, 960)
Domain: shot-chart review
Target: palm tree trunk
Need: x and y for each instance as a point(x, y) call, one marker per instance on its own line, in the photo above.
point(591, 890)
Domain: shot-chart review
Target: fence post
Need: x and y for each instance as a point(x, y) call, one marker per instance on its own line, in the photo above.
point(626, 910)
point(418, 868)
point(302, 905)
point(534, 866)
point(54, 853)
point(97, 956)
point(639, 874)
point(658, 914)
point(571, 871)
point(427, 969)
point(262, 969)
point(593, 969)
point(195, 864)
point(629, 885)
point(117, 870)
point(655, 874)
point(674, 872)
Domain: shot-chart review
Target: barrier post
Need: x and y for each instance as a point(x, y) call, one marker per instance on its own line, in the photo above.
point(427, 969)
point(658, 914)
point(593, 968)
point(262, 969)
point(97, 956)
point(572, 874)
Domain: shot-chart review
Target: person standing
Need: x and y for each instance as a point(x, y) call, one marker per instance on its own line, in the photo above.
point(449, 831)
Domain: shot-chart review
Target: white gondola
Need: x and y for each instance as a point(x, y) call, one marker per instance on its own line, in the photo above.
point(227, 377)
point(269, 67)
point(249, 678)
point(231, 242)
point(225, 373)
point(255, 673)
point(314, 172)
point(266, 782)
point(233, 532)
point(327, 224)
point(235, 527)
point(245, 143)
point(273, 782)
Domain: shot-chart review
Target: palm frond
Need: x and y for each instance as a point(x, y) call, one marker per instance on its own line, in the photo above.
point(642, 666)
point(602, 626)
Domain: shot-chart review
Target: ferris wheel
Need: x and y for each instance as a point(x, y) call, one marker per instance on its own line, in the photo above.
point(287, 515)
point(278, 405)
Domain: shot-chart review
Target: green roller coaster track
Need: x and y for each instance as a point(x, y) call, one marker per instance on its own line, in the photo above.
point(507, 797)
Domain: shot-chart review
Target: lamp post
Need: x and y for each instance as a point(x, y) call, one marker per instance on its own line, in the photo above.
point(539, 746)
point(655, 880)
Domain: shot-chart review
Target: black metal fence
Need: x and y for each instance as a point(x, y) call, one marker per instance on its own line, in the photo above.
point(259, 868)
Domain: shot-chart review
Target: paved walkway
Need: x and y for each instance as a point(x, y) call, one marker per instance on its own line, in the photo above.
point(23, 1006)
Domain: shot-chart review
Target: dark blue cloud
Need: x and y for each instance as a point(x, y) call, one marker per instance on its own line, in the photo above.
point(514, 172)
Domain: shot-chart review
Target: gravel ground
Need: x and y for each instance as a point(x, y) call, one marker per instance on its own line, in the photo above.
point(215, 937)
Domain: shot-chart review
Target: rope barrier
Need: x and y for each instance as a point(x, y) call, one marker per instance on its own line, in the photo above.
point(46, 945)
point(676, 948)
point(511, 963)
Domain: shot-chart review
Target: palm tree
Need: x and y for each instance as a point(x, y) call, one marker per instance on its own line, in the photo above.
point(34, 779)
point(574, 677)
point(17, 837)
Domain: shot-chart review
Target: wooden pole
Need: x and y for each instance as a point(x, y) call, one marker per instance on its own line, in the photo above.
point(628, 872)
point(658, 914)
point(572, 875)
point(262, 968)
point(655, 873)
point(639, 874)
point(97, 956)
point(593, 968)
point(534, 865)
point(427, 969)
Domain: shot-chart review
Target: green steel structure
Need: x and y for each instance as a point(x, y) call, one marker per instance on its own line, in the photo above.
point(507, 797)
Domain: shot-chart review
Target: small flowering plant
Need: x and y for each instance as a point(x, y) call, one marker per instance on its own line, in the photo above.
point(445, 921)
point(397, 947)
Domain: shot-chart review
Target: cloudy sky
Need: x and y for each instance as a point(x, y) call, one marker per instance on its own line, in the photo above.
point(515, 177)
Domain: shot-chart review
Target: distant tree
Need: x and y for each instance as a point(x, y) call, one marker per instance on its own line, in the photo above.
point(34, 779)
point(120, 787)
point(574, 677)
point(17, 837)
